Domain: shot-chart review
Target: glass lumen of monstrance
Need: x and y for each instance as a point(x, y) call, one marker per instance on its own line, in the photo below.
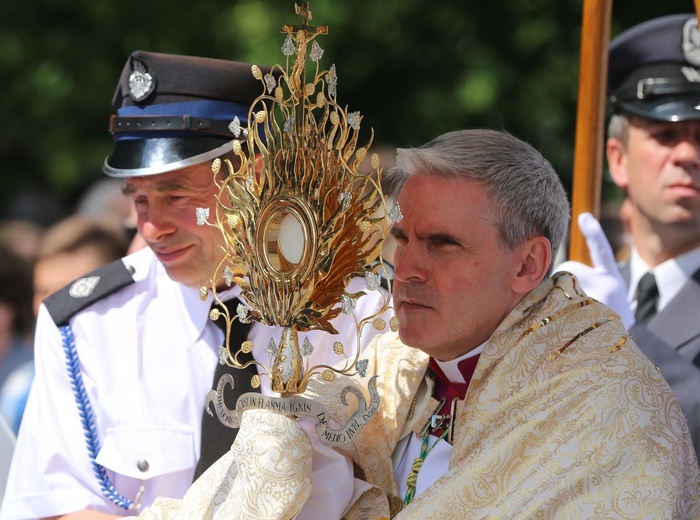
point(298, 229)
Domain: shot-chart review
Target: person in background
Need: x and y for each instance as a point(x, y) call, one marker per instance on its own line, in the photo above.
point(126, 355)
point(22, 236)
point(16, 330)
point(72, 248)
point(16, 320)
point(653, 154)
point(69, 249)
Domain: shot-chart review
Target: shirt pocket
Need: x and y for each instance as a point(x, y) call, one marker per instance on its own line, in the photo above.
point(145, 452)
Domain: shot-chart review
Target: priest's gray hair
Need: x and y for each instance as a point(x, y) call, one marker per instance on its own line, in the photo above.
point(528, 194)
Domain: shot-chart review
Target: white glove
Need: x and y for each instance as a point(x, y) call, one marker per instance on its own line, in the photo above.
point(603, 281)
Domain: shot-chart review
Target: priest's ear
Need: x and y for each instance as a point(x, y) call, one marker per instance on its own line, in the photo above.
point(531, 266)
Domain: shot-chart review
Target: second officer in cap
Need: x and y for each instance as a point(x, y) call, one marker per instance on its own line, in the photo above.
point(653, 153)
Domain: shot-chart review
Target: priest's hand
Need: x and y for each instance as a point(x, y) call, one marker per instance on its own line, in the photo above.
point(603, 281)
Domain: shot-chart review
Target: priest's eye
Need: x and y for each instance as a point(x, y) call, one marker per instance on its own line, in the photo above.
point(177, 199)
point(444, 241)
point(399, 236)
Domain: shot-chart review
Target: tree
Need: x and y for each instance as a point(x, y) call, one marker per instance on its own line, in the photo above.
point(414, 71)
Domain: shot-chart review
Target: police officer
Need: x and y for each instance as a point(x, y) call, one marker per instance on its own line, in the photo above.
point(126, 355)
point(653, 152)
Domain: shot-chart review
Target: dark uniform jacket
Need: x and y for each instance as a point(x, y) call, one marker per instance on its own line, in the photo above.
point(671, 340)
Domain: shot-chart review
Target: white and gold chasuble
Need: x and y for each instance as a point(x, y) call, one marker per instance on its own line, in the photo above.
point(564, 418)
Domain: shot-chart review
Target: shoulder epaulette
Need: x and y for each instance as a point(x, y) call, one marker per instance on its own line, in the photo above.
point(66, 303)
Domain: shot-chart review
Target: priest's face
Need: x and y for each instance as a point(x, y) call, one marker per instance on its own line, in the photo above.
point(453, 277)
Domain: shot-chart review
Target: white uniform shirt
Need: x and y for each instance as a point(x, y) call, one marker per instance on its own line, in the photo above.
point(147, 358)
point(670, 276)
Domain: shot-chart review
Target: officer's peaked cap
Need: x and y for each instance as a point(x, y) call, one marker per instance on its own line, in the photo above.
point(654, 69)
point(175, 111)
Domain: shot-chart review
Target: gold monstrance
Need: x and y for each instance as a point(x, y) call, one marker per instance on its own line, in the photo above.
point(299, 229)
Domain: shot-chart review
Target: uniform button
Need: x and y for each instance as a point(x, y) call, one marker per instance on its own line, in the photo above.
point(143, 465)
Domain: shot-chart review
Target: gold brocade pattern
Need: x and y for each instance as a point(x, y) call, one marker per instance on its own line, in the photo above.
point(594, 433)
point(258, 478)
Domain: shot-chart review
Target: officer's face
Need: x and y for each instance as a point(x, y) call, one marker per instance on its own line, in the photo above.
point(166, 219)
point(453, 279)
point(659, 166)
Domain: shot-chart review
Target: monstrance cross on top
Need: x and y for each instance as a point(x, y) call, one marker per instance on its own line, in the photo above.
point(305, 13)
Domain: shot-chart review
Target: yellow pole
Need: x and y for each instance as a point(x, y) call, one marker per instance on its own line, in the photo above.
point(590, 119)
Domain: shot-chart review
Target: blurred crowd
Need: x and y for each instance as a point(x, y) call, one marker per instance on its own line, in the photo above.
point(41, 253)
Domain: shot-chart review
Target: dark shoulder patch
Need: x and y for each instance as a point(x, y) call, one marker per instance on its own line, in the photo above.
point(85, 291)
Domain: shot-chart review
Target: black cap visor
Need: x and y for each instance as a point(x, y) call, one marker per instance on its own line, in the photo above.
point(153, 156)
point(663, 108)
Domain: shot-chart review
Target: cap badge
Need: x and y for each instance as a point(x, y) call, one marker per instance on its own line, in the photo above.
point(141, 82)
point(691, 42)
point(84, 287)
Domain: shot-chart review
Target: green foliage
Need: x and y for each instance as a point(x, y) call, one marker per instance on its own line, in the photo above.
point(414, 70)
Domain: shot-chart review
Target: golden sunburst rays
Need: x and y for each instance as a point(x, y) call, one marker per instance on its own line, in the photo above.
point(305, 221)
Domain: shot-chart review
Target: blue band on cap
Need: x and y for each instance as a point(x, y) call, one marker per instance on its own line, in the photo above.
point(216, 110)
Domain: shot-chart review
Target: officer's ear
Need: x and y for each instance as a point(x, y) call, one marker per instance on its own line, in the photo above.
point(617, 161)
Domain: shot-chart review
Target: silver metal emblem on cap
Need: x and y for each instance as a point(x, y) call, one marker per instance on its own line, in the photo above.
point(691, 41)
point(141, 82)
point(140, 85)
point(84, 287)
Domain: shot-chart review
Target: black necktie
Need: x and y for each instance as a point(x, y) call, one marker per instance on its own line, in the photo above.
point(647, 297)
point(217, 438)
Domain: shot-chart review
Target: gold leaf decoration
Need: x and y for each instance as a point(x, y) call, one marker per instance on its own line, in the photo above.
point(394, 324)
point(379, 324)
point(300, 228)
point(216, 166)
